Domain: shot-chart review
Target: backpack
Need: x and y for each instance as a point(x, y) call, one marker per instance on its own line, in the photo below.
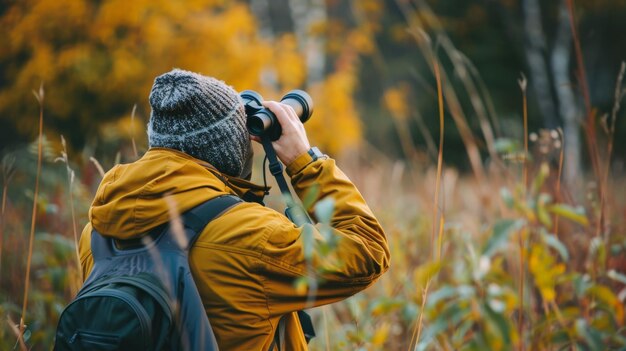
point(140, 294)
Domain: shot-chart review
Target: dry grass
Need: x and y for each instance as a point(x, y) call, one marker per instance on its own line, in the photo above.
point(40, 98)
point(498, 259)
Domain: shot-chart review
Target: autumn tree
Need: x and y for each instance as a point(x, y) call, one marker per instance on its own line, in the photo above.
point(97, 59)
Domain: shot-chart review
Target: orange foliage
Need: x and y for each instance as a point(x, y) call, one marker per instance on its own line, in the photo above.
point(289, 63)
point(335, 123)
point(395, 100)
point(98, 59)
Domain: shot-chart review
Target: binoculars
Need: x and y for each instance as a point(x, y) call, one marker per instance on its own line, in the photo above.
point(263, 122)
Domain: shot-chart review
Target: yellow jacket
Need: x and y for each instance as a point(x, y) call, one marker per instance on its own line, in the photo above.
point(247, 261)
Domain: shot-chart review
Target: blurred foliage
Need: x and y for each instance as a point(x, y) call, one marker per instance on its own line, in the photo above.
point(538, 266)
point(574, 283)
point(98, 59)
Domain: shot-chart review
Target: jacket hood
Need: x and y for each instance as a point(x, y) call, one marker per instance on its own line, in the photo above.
point(134, 198)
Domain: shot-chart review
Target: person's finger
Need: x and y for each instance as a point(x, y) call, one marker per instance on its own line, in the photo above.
point(281, 114)
point(290, 112)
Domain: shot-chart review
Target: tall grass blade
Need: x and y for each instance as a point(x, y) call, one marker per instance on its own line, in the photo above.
point(438, 219)
point(132, 130)
point(620, 92)
point(70, 184)
point(520, 321)
point(590, 126)
point(8, 170)
point(558, 177)
point(40, 97)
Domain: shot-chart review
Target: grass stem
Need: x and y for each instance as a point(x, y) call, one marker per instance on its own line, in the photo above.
point(40, 97)
point(439, 153)
point(610, 130)
point(520, 318)
point(4, 202)
point(132, 130)
point(70, 184)
point(590, 126)
point(438, 219)
point(558, 177)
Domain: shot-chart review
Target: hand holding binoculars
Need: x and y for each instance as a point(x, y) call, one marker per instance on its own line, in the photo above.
point(263, 122)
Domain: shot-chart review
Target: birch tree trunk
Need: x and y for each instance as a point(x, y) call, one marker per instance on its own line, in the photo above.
point(536, 52)
point(261, 10)
point(569, 109)
point(306, 13)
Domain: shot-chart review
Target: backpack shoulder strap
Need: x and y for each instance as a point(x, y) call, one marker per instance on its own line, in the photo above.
point(198, 217)
point(195, 219)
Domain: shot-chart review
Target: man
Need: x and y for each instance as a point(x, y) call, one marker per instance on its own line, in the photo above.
point(246, 261)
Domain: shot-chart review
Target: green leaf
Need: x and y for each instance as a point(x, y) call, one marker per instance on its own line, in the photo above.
point(591, 337)
point(506, 145)
point(603, 294)
point(308, 241)
point(500, 235)
point(616, 249)
point(597, 250)
point(500, 322)
point(310, 196)
point(543, 173)
point(324, 210)
point(301, 284)
point(581, 284)
point(554, 242)
point(542, 213)
point(441, 294)
point(424, 273)
point(447, 292)
point(410, 312)
point(461, 331)
point(616, 276)
point(573, 214)
point(385, 305)
point(507, 197)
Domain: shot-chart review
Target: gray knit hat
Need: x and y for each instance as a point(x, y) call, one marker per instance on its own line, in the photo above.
point(200, 116)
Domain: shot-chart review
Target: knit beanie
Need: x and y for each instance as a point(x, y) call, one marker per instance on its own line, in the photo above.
point(200, 116)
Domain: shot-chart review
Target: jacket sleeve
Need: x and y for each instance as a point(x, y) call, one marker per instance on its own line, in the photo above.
point(84, 252)
point(315, 265)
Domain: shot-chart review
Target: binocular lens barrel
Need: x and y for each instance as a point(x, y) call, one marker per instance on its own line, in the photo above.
point(258, 123)
point(262, 121)
point(301, 102)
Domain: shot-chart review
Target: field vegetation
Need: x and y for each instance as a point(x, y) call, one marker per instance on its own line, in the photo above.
point(495, 243)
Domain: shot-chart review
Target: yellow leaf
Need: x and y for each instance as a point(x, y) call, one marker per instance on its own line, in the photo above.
point(396, 101)
point(545, 270)
point(380, 336)
point(424, 273)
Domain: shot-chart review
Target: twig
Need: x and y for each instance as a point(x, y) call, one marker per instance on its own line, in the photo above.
point(523, 83)
point(16, 330)
point(40, 97)
point(590, 127)
point(132, 130)
point(520, 319)
point(417, 331)
point(70, 183)
point(326, 328)
point(7, 173)
point(440, 152)
point(558, 179)
point(97, 165)
point(4, 202)
point(619, 95)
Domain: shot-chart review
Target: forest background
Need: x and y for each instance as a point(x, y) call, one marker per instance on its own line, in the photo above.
point(485, 134)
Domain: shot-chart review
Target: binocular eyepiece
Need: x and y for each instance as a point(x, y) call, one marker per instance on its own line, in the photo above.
point(261, 121)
